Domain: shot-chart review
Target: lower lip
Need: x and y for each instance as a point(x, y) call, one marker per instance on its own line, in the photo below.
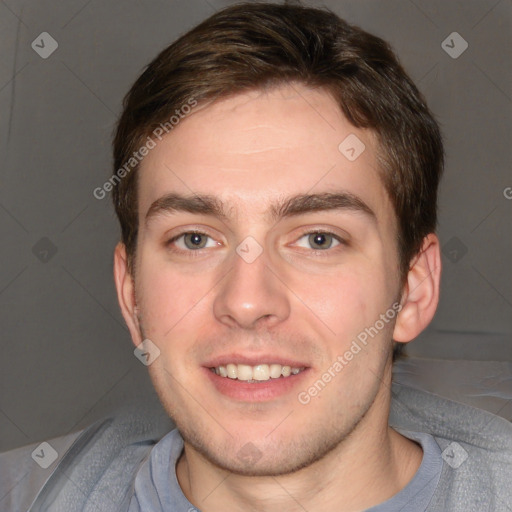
point(257, 391)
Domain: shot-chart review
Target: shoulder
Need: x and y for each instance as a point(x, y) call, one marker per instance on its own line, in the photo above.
point(446, 418)
point(24, 470)
point(476, 447)
point(96, 464)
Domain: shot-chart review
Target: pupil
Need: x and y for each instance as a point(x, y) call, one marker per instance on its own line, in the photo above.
point(194, 240)
point(319, 239)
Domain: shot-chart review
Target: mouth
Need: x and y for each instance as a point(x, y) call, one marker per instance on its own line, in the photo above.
point(262, 372)
point(247, 380)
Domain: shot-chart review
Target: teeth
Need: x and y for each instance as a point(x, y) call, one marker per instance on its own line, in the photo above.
point(260, 372)
point(231, 371)
point(275, 370)
point(244, 372)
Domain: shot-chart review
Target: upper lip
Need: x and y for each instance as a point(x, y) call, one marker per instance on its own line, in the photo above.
point(253, 360)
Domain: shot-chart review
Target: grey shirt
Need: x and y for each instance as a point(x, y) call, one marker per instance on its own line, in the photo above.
point(157, 488)
point(129, 459)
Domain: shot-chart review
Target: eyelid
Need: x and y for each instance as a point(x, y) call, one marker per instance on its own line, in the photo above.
point(327, 231)
point(189, 232)
point(341, 240)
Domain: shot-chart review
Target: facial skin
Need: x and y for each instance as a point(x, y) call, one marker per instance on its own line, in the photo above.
point(252, 151)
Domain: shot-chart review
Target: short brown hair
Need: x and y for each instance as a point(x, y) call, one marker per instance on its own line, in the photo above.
point(258, 46)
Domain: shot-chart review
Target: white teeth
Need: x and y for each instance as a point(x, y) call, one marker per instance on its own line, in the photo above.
point(275, 371)
point(244, 372)
point(260, 372)
point(231, 371)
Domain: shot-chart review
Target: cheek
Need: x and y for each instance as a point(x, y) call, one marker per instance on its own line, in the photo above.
point(349, 300)
point(173, 309)
point(168, 299)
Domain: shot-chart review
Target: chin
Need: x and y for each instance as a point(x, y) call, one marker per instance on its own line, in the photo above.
point(262, 458)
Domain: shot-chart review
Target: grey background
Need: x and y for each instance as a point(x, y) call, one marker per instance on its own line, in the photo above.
point(66, 356)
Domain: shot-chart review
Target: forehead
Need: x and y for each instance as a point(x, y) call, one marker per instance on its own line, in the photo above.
point(253, 149)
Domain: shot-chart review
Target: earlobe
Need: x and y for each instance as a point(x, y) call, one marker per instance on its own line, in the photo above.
point(126, 292)
point(421, 293)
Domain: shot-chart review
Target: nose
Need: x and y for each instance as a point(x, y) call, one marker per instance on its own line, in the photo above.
point(251, 295)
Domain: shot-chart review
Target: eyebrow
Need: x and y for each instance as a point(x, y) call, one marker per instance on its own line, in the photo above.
point(296, 205)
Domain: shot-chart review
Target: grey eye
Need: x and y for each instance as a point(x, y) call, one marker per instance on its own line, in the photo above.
point(195, 240)
point(320, 240)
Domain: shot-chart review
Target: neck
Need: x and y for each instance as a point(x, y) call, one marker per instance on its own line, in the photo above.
point(366, 468)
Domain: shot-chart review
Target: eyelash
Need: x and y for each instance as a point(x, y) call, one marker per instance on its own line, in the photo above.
point(198, 252)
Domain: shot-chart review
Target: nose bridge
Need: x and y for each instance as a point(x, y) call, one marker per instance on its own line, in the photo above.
point(251, 291)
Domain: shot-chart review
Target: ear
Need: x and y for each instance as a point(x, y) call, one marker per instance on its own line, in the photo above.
point(421, 292)
point(125, 287)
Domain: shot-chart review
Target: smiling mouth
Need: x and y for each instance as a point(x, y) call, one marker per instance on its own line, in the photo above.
point(257, 373)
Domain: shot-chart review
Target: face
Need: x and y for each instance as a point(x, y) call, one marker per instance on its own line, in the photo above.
point(255, 272)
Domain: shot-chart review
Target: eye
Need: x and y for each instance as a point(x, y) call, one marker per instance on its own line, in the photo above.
point(320, 240)
point(192, 240)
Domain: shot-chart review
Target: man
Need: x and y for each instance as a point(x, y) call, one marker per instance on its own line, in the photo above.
point(276, 176)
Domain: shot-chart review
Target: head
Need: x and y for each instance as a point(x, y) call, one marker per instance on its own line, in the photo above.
point(244, 120)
